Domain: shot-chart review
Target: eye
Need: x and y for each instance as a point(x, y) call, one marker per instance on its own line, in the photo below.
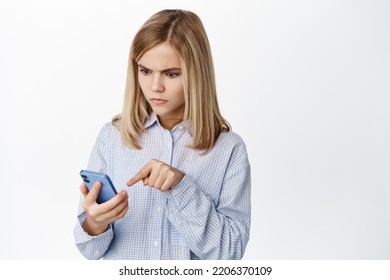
point(145, 71)
point(172, 75)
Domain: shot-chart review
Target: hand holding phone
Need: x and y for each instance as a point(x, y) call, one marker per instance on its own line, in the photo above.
point(107, 190)
point(100, 216)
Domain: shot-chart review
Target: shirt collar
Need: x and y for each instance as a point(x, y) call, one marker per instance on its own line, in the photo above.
point(152, 119)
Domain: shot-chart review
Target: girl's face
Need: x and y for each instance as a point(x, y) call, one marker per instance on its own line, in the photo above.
point(161, 81)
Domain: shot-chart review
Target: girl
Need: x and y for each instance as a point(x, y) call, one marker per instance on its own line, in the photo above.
point(183, 175)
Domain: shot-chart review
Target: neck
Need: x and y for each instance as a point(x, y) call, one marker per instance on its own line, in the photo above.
point(169, 124)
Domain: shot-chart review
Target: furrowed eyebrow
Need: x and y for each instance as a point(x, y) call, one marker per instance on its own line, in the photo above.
point(141, 66)
point(163, 71)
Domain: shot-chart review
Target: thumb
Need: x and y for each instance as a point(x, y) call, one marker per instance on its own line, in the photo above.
point(94, 192)
point(84, 189)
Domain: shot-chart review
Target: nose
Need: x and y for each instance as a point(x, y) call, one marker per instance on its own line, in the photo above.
point(157, 84)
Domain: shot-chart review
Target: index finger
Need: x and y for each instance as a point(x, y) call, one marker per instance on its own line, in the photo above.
point(114, 202)
point(142, 173)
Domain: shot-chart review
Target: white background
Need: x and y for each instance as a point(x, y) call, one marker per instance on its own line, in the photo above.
point(305, 83)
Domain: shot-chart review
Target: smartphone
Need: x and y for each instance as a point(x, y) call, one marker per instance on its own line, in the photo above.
point(107, 191)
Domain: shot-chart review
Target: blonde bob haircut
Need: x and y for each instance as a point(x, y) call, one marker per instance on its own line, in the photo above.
point(184, 31)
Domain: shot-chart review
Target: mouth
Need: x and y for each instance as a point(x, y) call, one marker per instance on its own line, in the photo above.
point(158, 100)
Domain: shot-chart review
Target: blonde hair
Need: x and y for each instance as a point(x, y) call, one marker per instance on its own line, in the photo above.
point(184, 31)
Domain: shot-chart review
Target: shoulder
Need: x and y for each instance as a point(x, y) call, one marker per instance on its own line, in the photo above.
point(230, 138)
point(108, 131)
point(231, 147)
point(231, 143)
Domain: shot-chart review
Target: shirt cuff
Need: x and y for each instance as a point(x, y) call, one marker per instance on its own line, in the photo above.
point(180, 189)
point(82, 236)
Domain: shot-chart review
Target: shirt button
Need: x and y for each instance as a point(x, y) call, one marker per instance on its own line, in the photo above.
point(174, 191)
point(155, 243)
point(158, 209)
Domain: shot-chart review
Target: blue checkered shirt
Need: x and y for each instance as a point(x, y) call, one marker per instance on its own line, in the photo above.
point(206, 216)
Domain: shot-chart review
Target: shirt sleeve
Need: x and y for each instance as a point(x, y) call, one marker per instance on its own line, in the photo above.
point(215, 230)
point(93, 247)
